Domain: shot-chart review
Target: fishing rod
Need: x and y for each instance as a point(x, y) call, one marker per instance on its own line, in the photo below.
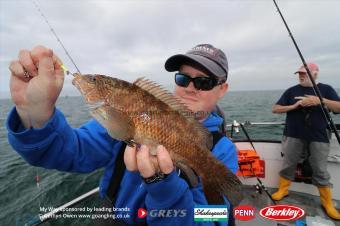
point(316, 90)
point(259, 186)
point(58, 39)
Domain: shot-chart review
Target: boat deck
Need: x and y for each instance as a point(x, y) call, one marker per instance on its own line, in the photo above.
point(310, 203)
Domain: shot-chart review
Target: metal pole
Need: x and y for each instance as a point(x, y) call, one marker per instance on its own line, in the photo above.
point(42, 218)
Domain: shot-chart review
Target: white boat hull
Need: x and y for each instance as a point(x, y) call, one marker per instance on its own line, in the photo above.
point(271, 153)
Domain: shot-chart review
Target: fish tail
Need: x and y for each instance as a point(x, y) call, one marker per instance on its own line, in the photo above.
point(219, 181)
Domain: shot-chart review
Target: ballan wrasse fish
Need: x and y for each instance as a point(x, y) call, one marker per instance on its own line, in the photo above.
point(144, 113)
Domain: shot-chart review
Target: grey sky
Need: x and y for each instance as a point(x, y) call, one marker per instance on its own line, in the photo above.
point(129, 39)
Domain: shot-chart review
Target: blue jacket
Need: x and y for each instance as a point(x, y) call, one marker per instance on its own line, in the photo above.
point(85, 149)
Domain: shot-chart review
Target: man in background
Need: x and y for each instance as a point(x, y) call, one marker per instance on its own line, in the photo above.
point(306, 132)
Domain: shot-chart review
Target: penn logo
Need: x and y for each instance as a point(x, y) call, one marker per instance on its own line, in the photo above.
point(282, 212)
point(244, 213)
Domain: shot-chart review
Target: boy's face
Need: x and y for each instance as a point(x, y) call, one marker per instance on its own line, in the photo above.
point(199, 100)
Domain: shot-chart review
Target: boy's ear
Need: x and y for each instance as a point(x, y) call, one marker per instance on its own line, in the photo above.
point(223, 89)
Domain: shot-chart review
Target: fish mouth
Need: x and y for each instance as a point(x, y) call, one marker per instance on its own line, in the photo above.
point(78, 84)
point(86, 90)
point(76, 81)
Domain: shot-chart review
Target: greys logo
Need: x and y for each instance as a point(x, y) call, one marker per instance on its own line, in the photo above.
point(168, 213)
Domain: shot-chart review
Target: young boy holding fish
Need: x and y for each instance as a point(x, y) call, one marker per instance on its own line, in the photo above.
point(40, 134)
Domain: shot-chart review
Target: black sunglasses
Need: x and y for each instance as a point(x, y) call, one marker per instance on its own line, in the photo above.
point(200, 83)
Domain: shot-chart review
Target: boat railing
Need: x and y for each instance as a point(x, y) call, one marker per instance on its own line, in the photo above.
point(236, 125)
point(39, 219)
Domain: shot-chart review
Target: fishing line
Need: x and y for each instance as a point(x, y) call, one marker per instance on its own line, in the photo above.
point(37, 176)
point(327, 117)
point(58, 39)
point(37, 180)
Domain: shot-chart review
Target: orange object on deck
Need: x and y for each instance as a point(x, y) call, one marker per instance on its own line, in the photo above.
point(250, 164)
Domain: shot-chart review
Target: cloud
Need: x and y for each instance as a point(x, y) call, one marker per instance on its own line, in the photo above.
point(130, 39)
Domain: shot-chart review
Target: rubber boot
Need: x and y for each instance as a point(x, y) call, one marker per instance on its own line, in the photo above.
point(327, 203)
point(283, 189)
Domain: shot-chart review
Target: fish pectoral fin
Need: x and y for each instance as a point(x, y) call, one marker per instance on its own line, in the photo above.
point(95, 105)
point(188, 174)
point(117, 124)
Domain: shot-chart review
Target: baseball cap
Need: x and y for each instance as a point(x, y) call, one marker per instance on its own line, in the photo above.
point(311, 67)
point(212, 59)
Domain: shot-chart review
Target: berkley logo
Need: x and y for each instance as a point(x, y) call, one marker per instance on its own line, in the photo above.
point(244, 213)
point(282, 212)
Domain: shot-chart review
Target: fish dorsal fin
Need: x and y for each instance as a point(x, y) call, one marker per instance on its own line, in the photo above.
point(164, 95)
point(203, 135)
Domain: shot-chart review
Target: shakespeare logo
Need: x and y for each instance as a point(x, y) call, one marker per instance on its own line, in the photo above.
point(210, 213)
